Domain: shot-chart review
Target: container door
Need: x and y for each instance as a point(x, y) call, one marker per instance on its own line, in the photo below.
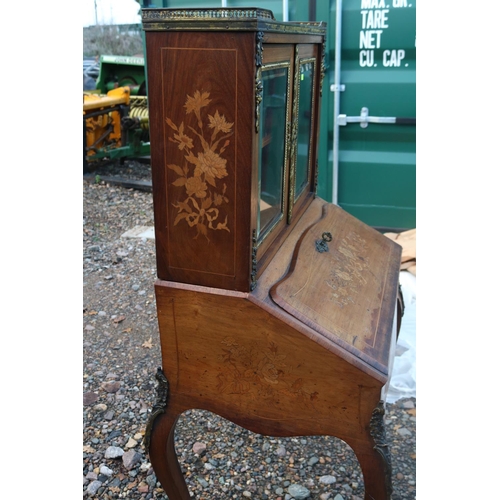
point(375, 121)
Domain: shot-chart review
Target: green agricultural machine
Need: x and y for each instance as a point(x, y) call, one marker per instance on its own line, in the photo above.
point(115, 114)
point(122, 71)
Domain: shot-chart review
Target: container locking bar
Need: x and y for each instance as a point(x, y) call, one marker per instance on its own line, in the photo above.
point(364, 119)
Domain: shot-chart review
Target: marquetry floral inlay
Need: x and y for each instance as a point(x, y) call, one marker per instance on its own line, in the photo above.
point(347, 276)
point(202, 167)
point(261, 372)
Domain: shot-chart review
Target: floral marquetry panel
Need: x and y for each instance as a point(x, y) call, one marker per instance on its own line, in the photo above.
point(200, 202)
point(201, 159)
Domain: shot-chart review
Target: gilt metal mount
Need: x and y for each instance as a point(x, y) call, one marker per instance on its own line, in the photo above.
point(253, 275)
point(259, 87)
point(377, 432)
point(159, 407)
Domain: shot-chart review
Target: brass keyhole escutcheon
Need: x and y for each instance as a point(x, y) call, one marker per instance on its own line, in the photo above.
point(322, 244)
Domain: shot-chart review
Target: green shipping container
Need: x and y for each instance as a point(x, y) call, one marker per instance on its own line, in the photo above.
point(367, 156)
point(373, 110)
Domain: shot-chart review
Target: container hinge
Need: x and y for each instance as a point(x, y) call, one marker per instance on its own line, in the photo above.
point(337, 88)
point(364, 119)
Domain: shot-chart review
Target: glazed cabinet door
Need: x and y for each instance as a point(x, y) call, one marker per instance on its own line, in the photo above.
point(303, 129)
point(273, 162)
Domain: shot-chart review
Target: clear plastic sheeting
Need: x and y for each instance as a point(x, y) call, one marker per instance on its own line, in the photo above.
point(403, 380)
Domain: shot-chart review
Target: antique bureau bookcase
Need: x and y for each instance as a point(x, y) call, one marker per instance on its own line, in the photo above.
point(276, 309)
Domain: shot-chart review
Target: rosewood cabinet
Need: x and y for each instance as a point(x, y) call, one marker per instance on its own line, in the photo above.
point(276, 309)
point(234, 112)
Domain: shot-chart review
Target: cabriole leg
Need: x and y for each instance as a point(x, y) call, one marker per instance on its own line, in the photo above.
point(375, 459)
point(159, 443)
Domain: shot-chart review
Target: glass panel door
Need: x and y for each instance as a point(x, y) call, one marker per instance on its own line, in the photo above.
point(272, 146)
point(304, 125)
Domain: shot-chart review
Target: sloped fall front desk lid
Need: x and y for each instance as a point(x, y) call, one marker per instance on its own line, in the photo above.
point(343, 282)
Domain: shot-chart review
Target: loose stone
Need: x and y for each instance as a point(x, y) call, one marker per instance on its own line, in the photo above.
point(403, 431)
point(143, 488)
point(115, 483)
point(111, 387)
point(130, 458)
point(327, 479)
point(199, 448)
point(347, 488)
point(202, 482)
point(93, 487)
point(151, 480)
point(89, 398)
point(131, 443)
point(145, 467)
point(281, 451)
point(114, 452)
point(106, 470)
point(298, 492)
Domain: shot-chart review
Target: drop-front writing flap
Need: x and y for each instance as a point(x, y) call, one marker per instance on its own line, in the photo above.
point(342, 282)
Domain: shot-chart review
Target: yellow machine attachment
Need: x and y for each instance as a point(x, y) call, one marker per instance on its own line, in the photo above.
point(115, 125)
point(102, 120)
point(139, 112)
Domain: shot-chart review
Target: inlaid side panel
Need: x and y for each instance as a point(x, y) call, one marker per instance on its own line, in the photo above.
point(224, 354)
point(199, 107)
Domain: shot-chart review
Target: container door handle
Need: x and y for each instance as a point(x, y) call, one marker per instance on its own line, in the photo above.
point(364, 119)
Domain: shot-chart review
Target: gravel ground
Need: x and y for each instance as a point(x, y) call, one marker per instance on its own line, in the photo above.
point(121, 352)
